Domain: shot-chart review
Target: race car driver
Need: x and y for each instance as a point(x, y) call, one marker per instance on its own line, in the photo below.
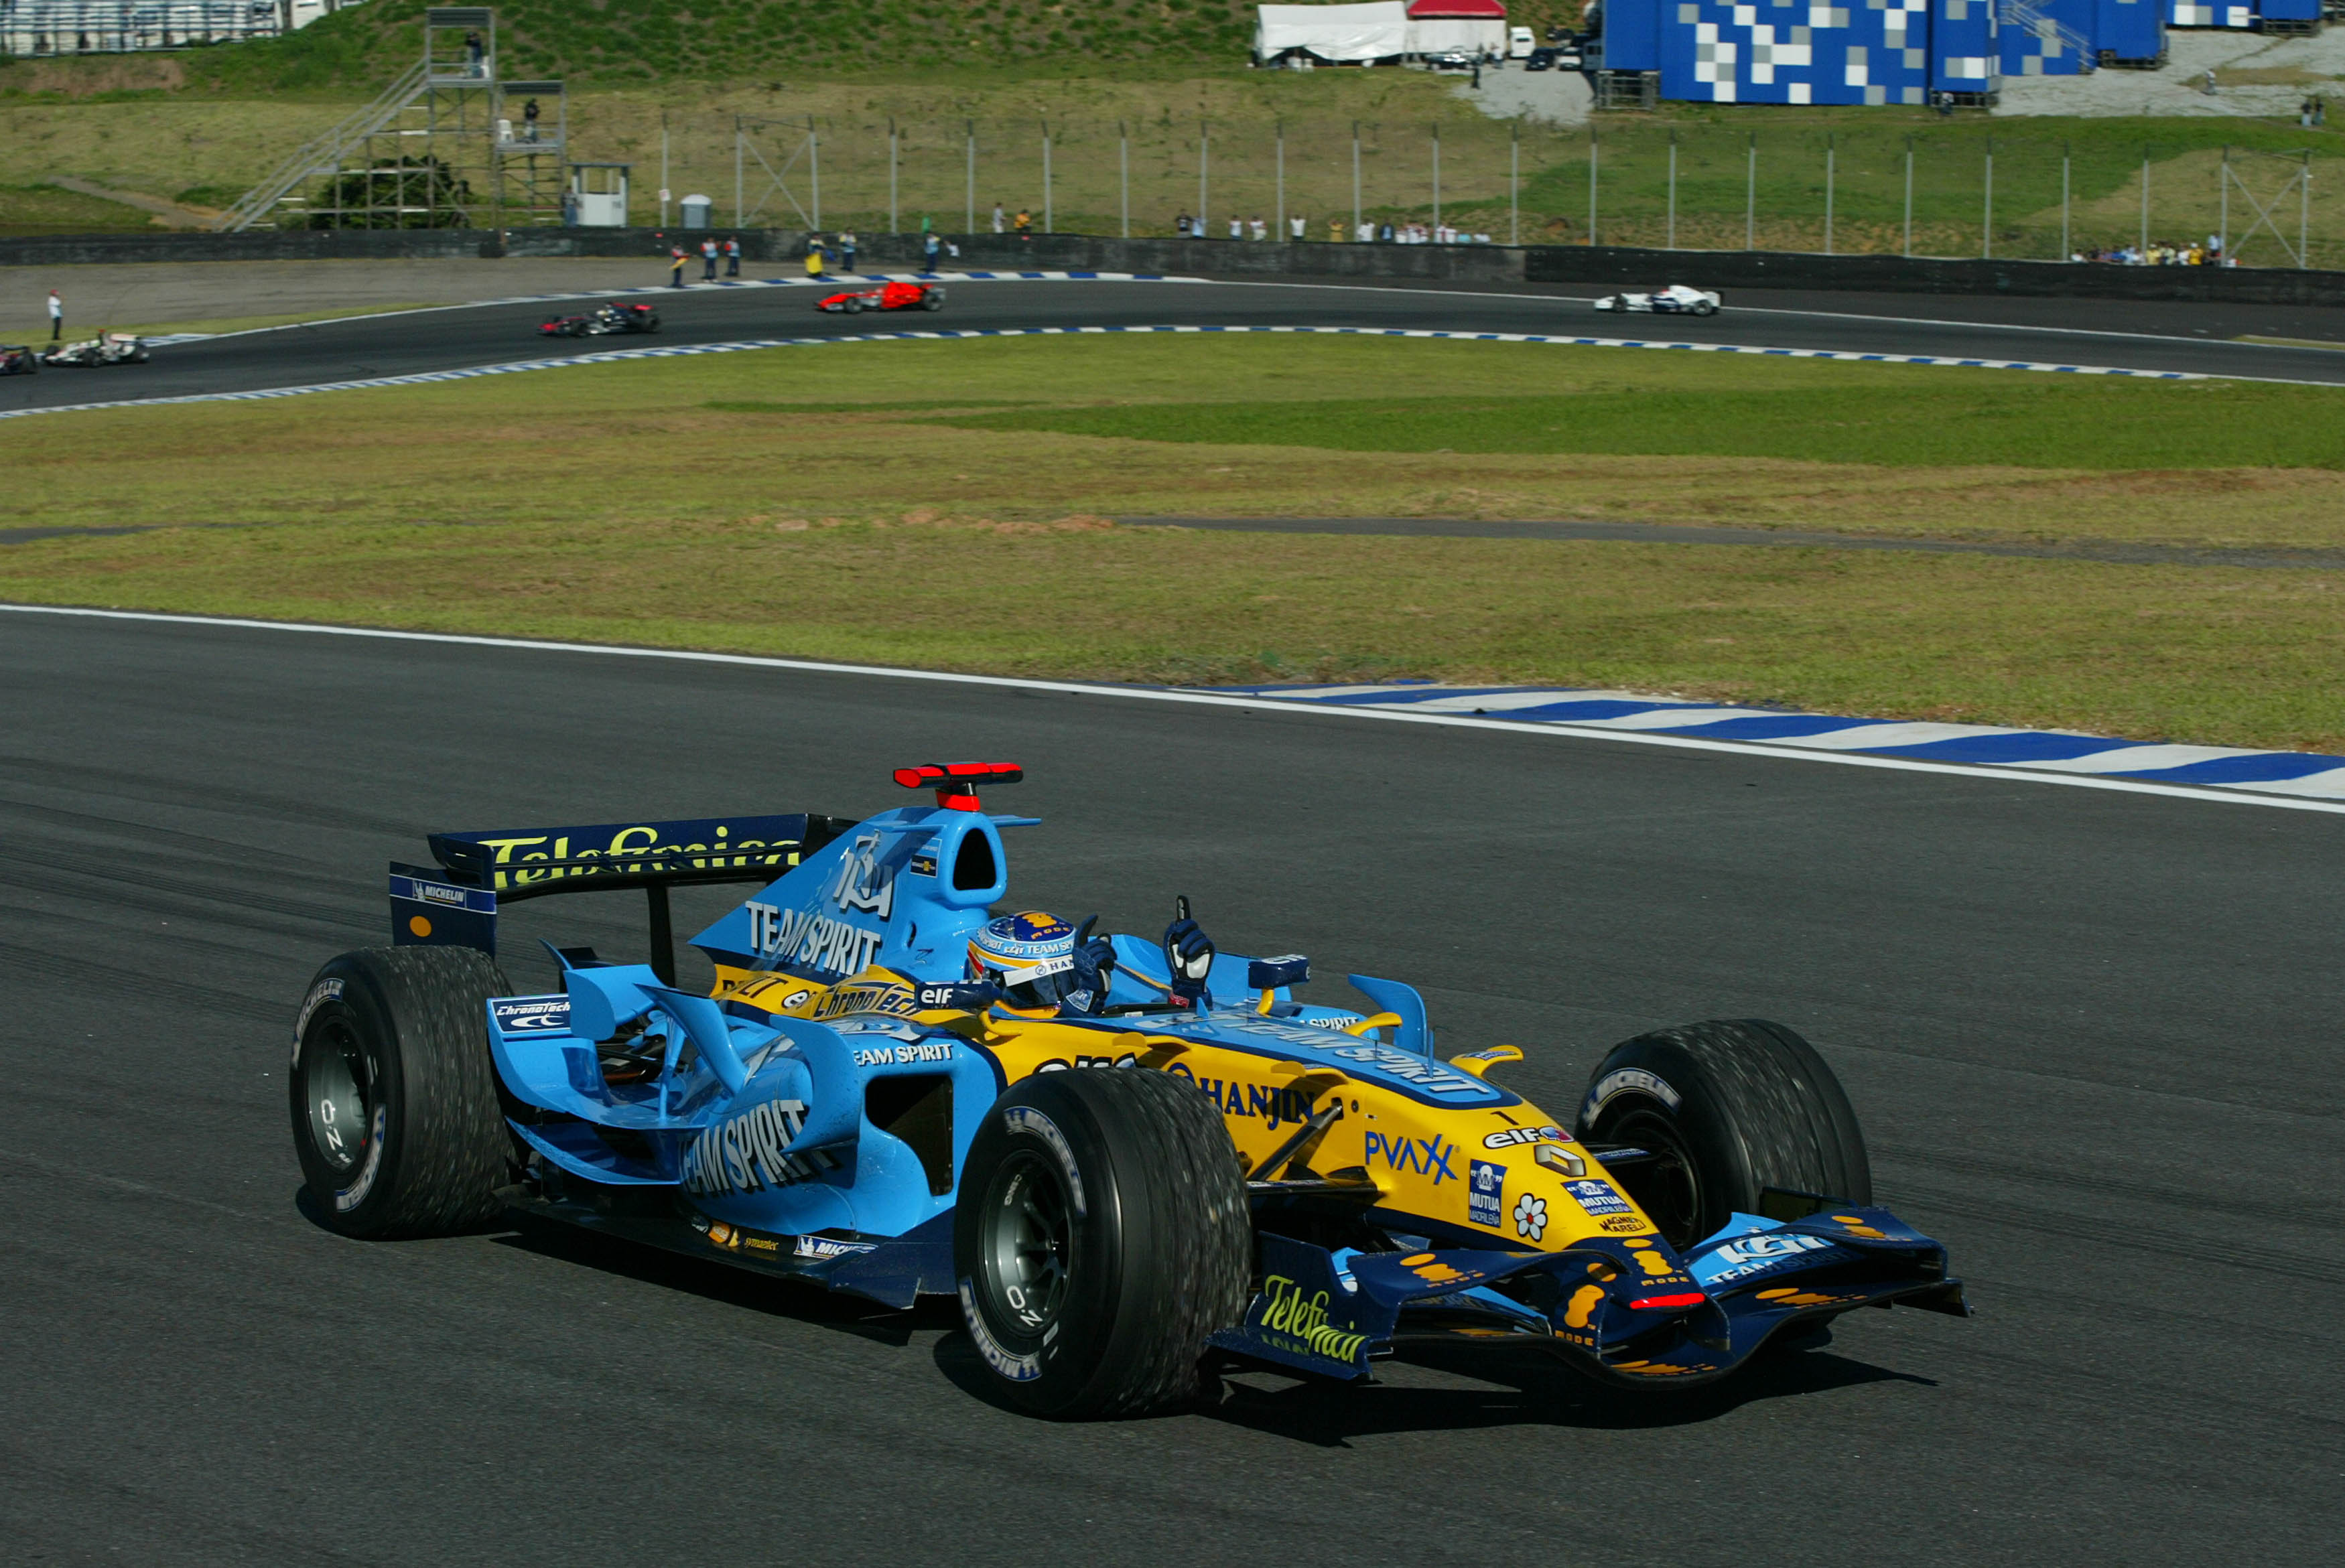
point(1046, 967)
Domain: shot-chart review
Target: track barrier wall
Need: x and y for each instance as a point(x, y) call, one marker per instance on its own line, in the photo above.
point(1623, 266)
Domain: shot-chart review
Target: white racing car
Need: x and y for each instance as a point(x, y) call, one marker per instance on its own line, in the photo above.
point(109, 349)
point(1677, 299)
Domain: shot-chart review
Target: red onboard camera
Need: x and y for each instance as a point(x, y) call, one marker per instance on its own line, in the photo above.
point(957, 784)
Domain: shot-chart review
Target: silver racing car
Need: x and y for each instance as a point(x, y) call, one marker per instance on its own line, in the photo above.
point(1677, 299)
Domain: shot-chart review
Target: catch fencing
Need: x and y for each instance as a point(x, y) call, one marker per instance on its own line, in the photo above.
point(1625, 182)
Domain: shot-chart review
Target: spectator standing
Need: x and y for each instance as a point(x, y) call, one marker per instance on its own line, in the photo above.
point(814, 256)
point(1261, 229)
point(529, 121)
point(929, 246)
point(847, 250)
point(1181, 226)
point(56, 315)
point(2210, 81)
point(1295, 224)
point(1237, 229)
point(1000, 223)
point(1334, 231)
point(676, 267)
point(1025, 226)
point(708, 260)
point(732, 256)
point(476, 55)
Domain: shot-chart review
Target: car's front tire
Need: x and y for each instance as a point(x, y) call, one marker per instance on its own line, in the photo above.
point(1102, 1233)
point(1730, 1108)
point(396, 1115)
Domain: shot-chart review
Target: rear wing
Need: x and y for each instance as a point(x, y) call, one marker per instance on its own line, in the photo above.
point(454, 904)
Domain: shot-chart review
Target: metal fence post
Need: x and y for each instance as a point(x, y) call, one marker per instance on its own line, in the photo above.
point(1355, 178)
point(2145, 204)
point(2223, 181)
point(1205, 140)
point(1436, 178)
point(893, 225)
point(1751, 195)
point(1591, 184)
point(1123, 172)
point(1046, 176)
point(2304, 216)
point(1987, 223)
point(1279, 197)
point(1831, 158)
point(813, 170)
point(736, 171)
point(2066, 252)
point(1909, 196)
point(663, 185)
point(1670, 243)
point(969, 195)
point(1515, 184)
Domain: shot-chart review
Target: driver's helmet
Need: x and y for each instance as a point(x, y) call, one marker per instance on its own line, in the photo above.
point(1029, 955)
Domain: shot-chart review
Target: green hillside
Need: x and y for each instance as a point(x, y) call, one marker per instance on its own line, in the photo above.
point(624, 41)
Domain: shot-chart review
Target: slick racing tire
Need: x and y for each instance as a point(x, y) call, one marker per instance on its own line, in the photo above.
point(1705, 308)
point(1730, 1108)
point(854, 308)
point(396, 1115)
point(933, 303)
point(1102, 1233)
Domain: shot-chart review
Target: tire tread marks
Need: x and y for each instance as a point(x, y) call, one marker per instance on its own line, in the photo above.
point(1173, 1154)
point(452, 1151)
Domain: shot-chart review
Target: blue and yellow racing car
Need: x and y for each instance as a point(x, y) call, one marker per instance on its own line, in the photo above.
point(1133, 1160)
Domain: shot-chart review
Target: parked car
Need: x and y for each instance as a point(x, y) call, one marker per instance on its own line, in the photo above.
point(1453, 60)
point(1539, 59)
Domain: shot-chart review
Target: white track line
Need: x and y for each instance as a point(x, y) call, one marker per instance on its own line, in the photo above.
point(2007, 773)
point(681, 351)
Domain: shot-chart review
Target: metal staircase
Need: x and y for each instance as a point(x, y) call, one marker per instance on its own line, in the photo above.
point(324, 154)
point(2029, 17)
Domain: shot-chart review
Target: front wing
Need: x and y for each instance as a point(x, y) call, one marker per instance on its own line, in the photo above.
point(1622, 1310)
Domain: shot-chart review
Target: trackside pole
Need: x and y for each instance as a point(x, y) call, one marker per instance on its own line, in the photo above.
point(1751, 195)
point(1909, 196)
point(1204, 150)
point(813, 170)
point(2303, 216)
point(1046, 176)
point(2224, 183)
point(2144, 203)
point(737, 201)
point(1355, 177)
point(2065, 251)
point(663, 188)
point(1591, 183)
point(1832, 154)
point(1671, 242)
point(1437, 176)
point(893, 226)
point(1123, 172)
point(1515, 184)
point(1279, 133)
point(969, 221)
point(1987, 240)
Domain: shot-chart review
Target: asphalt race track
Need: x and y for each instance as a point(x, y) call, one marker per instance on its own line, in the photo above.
point(2162, 337)
point(2092, 1037)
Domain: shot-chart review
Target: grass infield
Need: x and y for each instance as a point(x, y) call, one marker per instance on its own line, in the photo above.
point(946, 505)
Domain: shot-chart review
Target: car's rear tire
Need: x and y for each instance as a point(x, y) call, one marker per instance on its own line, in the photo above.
point(1102, 1232)
point(396, 1115)
point(1732, 1106)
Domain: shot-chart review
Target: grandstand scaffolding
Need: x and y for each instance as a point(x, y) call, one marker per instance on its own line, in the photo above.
point(36, 29)
point(447, 145)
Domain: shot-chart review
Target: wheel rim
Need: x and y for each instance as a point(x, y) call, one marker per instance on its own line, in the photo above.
point(336, 1086)
point(1667, 1187)
point(1026, 1249)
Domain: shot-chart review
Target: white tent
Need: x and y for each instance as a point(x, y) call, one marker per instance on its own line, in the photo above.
point(1470, 35)
point(1336, 34)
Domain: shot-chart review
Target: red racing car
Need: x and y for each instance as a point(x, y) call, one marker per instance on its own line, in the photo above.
point(886, 296)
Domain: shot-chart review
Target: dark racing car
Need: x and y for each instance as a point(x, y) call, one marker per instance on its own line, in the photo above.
point(886, 296)
point(603, 321)
point(18, 360)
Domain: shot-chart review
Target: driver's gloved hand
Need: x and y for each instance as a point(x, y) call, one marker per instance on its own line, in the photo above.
point(1094, 966)
point(1189, 956)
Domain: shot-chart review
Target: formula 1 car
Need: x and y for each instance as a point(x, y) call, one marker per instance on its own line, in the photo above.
point(886, 296)
point(19, 360)
point(1197, 1172)
point(1677, 299)
point(603, 321)
point(112, 348)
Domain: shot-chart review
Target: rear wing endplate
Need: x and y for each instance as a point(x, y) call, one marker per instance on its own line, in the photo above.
point(455, 903)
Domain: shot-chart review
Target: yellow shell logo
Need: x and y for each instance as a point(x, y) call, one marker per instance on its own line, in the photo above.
point(419, 925)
